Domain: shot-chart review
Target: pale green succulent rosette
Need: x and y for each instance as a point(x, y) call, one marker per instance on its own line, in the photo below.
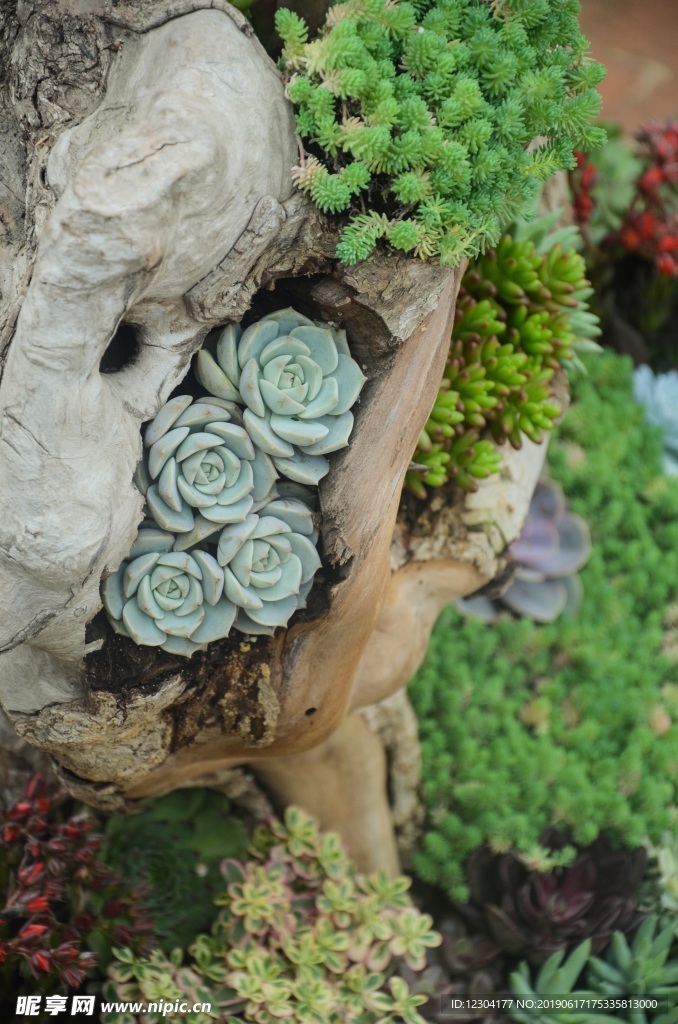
point(200, 469)
point(298, 382)
point(169, 599)
point(269, 562)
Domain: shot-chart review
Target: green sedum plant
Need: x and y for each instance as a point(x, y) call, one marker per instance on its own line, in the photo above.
point(300, 936)
point(522, 312)
point(418, 116)
point(174, 847)
point(569, 724)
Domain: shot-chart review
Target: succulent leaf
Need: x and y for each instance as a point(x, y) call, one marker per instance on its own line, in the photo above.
point(201, 466)
point(298, 382)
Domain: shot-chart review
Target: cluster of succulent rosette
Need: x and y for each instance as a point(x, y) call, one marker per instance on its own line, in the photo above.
point(229, 538)
point(300, 936)
point(553, 546)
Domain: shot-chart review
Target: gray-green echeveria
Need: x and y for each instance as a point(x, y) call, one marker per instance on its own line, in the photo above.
point(269, 561)
point(200, 469)
point(168, 599)
point(298, 382)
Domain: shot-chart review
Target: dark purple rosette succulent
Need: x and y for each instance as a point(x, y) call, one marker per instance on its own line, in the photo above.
point(535, 914)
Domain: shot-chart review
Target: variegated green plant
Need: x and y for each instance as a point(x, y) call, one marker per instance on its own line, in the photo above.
point(298, 382)
point(301, 936)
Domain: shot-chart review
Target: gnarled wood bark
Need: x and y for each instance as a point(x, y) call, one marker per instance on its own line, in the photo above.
point(150, 147)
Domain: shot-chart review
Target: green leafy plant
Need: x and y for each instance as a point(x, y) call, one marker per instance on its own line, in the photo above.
point(173, 847)
point(524, 727)
point(643, 968)
point(522, 312)
point(301, 936)
point(419, 115)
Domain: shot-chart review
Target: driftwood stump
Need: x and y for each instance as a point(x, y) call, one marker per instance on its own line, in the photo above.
point(145, 199)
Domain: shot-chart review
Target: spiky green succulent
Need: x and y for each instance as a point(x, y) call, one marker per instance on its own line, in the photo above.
point(521, 313)
point(419, 116)
point(642, 970)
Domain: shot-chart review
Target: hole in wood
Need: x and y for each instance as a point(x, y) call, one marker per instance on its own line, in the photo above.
point(310, 711)
point(122, 350)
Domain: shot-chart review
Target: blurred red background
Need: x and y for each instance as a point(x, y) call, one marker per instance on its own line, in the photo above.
point(637, 41)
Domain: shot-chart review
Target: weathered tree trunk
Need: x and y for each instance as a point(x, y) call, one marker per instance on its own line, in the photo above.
point(146, 199)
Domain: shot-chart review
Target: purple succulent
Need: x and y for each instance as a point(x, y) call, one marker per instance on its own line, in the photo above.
point(536, 914)
point(552, 547)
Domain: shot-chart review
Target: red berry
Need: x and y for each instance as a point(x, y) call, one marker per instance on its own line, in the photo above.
point(65, 954)
point(589, 177)
point(73, 977)
point(647, 225)
point(650, 181)
point(20, 810)
point(35, 787)
point(630, 239)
